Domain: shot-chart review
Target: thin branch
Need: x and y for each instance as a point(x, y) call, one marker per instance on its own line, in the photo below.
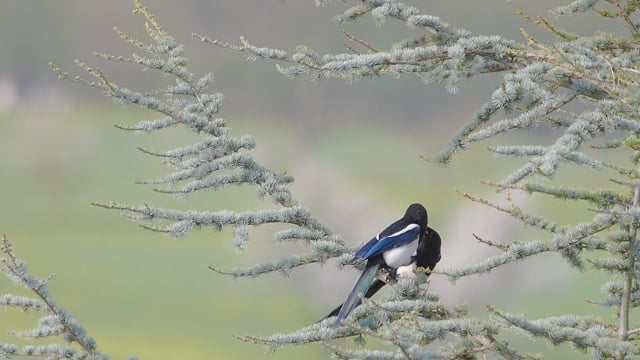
point(633, 331)
point(516, 213)
point(359, 41)
point(502, 247)
point(71, 330)
point(628, 21)
point(489, 342)
point(627, 287)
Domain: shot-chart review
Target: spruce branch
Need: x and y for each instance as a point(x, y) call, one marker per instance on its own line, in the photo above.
point(602, 198)
point(320, 254)
point(214, 163)
point(423, 58)
point(633, 28)
point(567, 242)
point(583, 332)
point(539, 79)
point(516, 212)
point(56, 322)
point(409, 322)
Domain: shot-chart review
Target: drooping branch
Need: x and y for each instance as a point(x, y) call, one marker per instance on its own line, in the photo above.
point(56, 321)
point(216, 162)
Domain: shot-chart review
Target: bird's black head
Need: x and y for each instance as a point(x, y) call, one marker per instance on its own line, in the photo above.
point(428, 253)
point(417, 214)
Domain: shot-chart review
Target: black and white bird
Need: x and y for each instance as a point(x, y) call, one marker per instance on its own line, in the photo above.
point(406, 242)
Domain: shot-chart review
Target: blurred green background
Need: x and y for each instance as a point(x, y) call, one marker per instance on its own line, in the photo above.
point(353, 149)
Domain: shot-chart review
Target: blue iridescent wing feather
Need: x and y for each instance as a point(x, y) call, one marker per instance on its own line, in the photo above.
point(392, 241)
point(364, 250)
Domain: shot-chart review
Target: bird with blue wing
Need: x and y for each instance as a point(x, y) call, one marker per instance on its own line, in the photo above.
point(408, 241)
point(428, 255)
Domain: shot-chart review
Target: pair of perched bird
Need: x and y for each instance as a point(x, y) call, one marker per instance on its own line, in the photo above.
point(405, 242)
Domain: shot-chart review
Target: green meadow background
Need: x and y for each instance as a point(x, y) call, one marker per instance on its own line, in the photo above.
point(354, 149)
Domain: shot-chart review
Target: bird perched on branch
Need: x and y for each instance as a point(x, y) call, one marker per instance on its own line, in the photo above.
point(406, 242)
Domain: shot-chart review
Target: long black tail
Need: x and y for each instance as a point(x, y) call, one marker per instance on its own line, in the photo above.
point(377, 285)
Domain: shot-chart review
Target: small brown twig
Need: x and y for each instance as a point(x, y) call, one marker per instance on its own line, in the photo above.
point(491, 243)
point(359, 41)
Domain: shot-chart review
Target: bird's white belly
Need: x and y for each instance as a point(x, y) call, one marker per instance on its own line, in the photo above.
point(401, 256)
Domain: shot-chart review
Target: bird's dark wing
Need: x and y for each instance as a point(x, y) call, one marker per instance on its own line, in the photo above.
point(393, 228)
point(399, 238)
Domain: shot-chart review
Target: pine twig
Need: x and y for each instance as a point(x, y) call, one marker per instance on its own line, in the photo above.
point(71, 330)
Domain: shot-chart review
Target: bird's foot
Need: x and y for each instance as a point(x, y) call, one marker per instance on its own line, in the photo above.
point(386, 276)
point(408, 271)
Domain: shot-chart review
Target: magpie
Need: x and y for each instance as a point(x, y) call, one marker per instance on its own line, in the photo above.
point(427, 256)
point(406, 241)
